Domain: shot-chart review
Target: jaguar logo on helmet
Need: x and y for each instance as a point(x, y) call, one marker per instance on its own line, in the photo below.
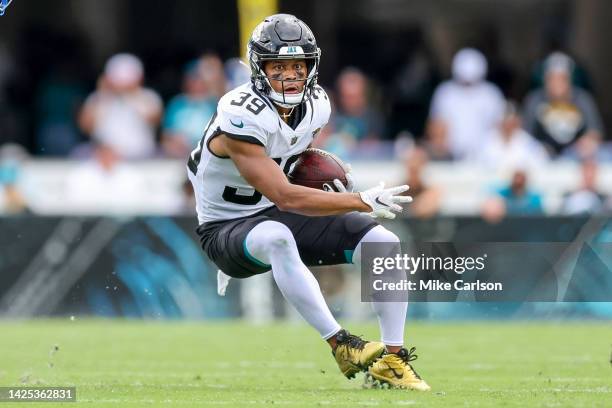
point(283, 36)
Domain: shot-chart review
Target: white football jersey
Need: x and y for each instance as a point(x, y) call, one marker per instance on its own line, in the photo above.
point(245, 114)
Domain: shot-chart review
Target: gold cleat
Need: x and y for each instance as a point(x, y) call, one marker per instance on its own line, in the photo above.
point(353, 354)
point(394, 370)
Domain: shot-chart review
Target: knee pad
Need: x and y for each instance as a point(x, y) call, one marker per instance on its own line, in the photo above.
point(380, 234)
point(269, 236)
point(376, 234)
point(275, 233)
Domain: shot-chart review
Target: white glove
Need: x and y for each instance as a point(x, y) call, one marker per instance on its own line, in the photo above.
point(340, 188)
point(383, 201)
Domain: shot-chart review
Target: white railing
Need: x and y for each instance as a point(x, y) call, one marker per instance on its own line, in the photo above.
point(155, 187)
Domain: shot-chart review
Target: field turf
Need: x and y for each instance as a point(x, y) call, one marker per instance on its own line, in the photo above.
point(189, 364)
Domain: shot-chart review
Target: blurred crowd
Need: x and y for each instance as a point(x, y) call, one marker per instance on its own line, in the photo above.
point(465, 118)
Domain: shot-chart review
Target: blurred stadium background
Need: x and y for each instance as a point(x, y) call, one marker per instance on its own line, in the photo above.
point(494, 112)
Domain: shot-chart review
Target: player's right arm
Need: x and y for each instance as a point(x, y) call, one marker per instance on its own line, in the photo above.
point(266, 176)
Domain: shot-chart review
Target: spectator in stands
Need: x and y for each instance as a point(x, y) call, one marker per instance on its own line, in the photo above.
point(436, 141)
point(509, 146)
point(580, 76)
point(356, 123)
point(588, 148)
point(426, 199)
point(587, 199)
point(188, 113)
point(514, 199)
point(59, 95)
point(236, 72)
point(561, 115)
point(121, 114)
point(213, 73)
point(57, 103)
point(12, 201)
point(466, 107)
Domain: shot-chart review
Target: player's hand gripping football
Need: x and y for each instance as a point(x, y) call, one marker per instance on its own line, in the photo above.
point(350, 182)
point(385, 201)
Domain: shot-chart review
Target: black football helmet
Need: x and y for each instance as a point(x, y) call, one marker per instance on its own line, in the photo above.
point(283, 36)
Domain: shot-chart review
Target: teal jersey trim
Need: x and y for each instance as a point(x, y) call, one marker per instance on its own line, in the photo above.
point(252, 258)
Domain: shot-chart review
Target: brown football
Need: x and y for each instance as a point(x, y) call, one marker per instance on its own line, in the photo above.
point(315, 168)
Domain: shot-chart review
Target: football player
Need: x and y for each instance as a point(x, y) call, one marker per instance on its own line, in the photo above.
point(252, 220)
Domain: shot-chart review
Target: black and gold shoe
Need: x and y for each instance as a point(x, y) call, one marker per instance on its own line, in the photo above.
point(353, 354)
point(394, 370)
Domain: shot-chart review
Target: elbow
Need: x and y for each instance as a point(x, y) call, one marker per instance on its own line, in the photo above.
point(285, 204)
point(286, 201)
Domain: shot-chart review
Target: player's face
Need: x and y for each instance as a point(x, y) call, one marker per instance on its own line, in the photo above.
point(288, 76)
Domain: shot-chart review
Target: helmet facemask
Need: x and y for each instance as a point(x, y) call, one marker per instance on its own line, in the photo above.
point(262, 82)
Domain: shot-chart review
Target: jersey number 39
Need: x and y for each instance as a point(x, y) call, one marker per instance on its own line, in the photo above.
point(230, 193)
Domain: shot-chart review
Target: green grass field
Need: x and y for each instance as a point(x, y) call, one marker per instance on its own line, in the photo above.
point(188, 364)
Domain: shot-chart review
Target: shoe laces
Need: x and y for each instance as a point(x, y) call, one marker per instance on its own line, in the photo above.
point(406, 356)
point(345, 338)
